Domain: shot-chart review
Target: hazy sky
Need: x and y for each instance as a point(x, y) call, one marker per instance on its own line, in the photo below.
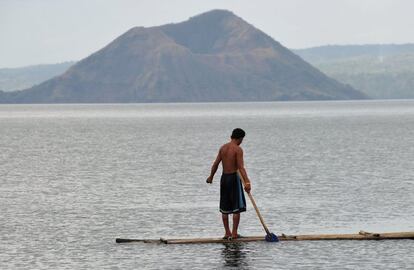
point(51, 31)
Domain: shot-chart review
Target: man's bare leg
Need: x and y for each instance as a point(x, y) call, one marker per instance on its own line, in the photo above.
point(225, 218)
point(236, 220)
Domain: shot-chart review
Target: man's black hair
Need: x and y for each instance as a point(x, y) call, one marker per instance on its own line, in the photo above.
point(238, 133)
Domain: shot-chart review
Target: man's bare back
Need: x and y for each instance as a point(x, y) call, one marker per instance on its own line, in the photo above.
point(228, 154)
point(231, 157)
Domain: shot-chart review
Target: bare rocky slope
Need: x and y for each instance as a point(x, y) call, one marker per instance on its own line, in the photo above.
point(215, 56)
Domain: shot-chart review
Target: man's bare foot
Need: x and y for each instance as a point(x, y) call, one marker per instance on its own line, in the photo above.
point(226, 237)
point(235, 237)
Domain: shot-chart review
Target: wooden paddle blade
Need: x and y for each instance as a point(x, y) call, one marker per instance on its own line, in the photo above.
point(271, 237)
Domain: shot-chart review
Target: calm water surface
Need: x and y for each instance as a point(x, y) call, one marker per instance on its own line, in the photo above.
point(75, 177)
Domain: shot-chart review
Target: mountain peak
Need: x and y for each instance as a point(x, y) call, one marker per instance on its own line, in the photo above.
point(217, 31)
point(214, 56)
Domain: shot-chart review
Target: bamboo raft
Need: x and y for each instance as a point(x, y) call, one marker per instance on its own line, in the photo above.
point(362, 235)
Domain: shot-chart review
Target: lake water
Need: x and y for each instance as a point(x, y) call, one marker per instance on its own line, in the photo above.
point(75, 177)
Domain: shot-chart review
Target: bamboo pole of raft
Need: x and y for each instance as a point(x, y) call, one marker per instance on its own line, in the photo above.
point(310, 237)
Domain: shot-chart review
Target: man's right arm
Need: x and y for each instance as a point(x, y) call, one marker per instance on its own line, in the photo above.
point(214, 168)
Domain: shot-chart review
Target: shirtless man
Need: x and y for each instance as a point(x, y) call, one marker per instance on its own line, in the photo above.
point(232, 200)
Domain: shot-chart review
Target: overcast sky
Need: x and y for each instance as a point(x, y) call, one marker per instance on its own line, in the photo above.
point(51, 31)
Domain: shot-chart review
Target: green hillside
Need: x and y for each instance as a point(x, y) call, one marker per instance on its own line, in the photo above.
point(20, 78)
point(380, 71)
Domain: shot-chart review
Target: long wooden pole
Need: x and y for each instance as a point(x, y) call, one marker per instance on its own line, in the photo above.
point(254, 205)
point(283, 237)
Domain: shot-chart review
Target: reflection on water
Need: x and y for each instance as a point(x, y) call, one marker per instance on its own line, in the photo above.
point(234, 256)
